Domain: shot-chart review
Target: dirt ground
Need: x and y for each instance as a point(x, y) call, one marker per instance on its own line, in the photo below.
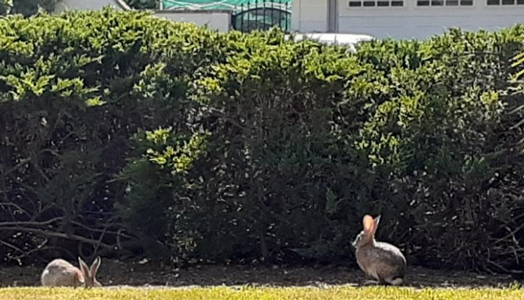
point(113, 273)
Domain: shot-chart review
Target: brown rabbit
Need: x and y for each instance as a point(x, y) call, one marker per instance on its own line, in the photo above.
point(61, 273)
point(382, 261)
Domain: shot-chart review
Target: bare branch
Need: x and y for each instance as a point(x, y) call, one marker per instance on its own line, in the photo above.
point(25, 254)
point(11, 246)
point(15, 206)
point(102, 236)
point(48, 233)
point(30, 223)
point(18, 165)
point(101, 230)
point(511, 233)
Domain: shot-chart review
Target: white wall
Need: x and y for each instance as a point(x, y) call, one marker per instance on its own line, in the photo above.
point(214, 19)
point(411, 21)
point(88, 4)
point(309, 15)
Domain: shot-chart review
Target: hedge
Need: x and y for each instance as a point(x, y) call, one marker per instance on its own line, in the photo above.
point(128, 136)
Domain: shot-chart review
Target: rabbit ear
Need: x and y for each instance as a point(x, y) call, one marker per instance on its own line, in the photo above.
point(83, 267)
point(369, 224)
point(377, 220)
point(95, 265)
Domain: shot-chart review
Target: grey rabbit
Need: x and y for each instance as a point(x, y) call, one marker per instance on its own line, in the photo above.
point(61, 273)
point(381, 261)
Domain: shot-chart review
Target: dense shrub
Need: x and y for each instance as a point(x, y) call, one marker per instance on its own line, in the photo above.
point(447, 140)
point(74, 90)
point(124, 133)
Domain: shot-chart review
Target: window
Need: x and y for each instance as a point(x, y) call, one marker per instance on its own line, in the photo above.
point(445, 2)
point(374, 3)
point(504, 2)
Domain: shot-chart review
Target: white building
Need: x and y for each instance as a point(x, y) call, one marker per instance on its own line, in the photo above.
point(404, 18)
point(64, 5)
point(214, 19)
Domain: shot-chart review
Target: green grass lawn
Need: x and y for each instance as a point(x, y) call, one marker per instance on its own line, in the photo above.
point(223, 293)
